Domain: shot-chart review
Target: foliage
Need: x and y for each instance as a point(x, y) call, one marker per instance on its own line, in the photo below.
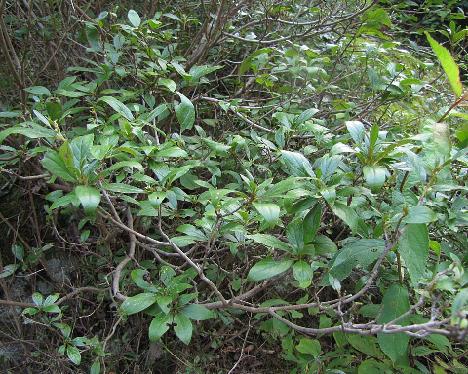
point(237, 177)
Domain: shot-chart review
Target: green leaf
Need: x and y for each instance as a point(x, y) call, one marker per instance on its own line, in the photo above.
point(134, 18)
point(295, 234)
point(374, 176)
point(420, 214)
point(269, 241)
point(38, 90)
point(156, 112)
point(51, 299)
point(414, 249)
point(459, 303)
point(123, 164)
point(351, 218)
point(95, 367)
point(312, 223)
point(361, 252)
point(441, 138)
point(309, 347)
point(118, 106)
point(302, 272)
point(394, 303)
point(323, 245)
point(297, 164)
point(8, 270)
point(138, 276)
point(159, 326)
point(92, 34)
point(121, 188)
point(80, 148)
point(37, 298)
point(185, 113)
point(51, 309)
point(56, 166)
point(364, 344)
point(268, 268)
point(18, 251)
point(357, 130)
point(54, 110)
point(183, 328)
point(156, 198)
point(66, 200)
point(89, 198)
point(64, 329)
point(171, 152)
point(197, 312)
point(137, 303)
point(34, 132)
point(163, 302)
point(166, 275)
point(192, 231)
point(448, 64)
point(372, 366)
point(196, 72)
point(218, 148)
point(74, 354)
point(183, 241)
point(373, 137)
point(168, 83)
point(305, 116)
point(41, 117)
point(270, 212)
point(10, 114)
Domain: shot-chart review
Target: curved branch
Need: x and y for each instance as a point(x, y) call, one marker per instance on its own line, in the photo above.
point(128, 257)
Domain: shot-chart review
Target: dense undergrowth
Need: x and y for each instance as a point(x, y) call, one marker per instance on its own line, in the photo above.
point(233, 187)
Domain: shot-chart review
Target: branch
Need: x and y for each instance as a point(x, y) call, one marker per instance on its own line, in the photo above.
point(68, 296)
point(245, 119)
point(416, 330)
point(128, 257)
point(104, 214)
point(182, 254)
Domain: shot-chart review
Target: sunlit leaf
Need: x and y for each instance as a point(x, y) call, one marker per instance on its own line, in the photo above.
point(448, 64)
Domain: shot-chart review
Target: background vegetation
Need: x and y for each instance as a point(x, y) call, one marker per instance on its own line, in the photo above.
point(229, 186)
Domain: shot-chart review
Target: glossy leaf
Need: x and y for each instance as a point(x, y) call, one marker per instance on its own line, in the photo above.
point(394, 303)
point(351, 218)
point(448, 64)
point(74, 354)
point(118, 106)
point(121, 188)
point(38, 90)
point(56, 166)
point(305, 116)
point(420, 214)
point(270, 212)
point(312, 223)
point(414, 249)
point(302, 272)
point(361, 252)
point(297, 164)
point(268, 268)
point(269, 241)
point(137, 303)
point(134, 18)
point(168, 83)
point(374, 176)
point(309, 347)
point(185, 113)
point(159, 326)
point(197, 312)
point(183, 328)
point(89, 198)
